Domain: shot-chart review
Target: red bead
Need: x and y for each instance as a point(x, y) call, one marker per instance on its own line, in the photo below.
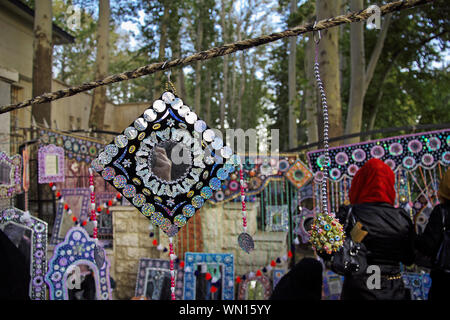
point(66, 207)
point(181, 264)
point(238, 279)
point(84, 223)
point(74, 218)
point(50, 184)
point(58, 194)
point(119, 196)
point(273, 263)
point(258, 273)
point(110, 203)
point(290, 254)
point(208, 276)
point(107, 211)
point(99, 209)
point(155, 242)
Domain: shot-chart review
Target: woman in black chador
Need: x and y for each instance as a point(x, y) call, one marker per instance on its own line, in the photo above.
point(386, 232)
point(434, 244)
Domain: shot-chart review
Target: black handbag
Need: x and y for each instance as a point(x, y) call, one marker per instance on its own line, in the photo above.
point(351, 259)
point(442, 261)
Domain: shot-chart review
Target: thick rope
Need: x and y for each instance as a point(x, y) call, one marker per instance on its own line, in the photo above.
point(217, 52)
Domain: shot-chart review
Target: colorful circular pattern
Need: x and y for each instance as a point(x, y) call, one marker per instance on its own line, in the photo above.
point(139, 200)
point(96, 165)
point(318, 176)
point(283, 165)
point(157, 218)
point(341, 158)
point(214, 183)
point(140, 124)
point(446, 157)
point(395, 149)
point(179, 220)
point(415, 146)
point(427, 160)
point(206, 193)
point(335, 173)
point(176, 103)
point(409, 162)
point(433, 144)
point(121, 141)
point(129, 191)
point(233, 185)
point(352, 169)
point(377, 152)
point(108, 173)
point(390, 163)
point(359, 155)
point(119, 181)
point(219, 196)
point(148, 209)
point(111, 150)
point(222, 174)
point(198, 201)
point(131, 133)
point(188, 210)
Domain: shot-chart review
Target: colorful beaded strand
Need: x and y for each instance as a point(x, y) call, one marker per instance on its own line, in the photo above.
point(172, 269)
point(244, 209)
point(93, 216)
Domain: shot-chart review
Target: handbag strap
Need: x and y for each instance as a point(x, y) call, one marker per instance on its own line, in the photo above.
point(349, 214)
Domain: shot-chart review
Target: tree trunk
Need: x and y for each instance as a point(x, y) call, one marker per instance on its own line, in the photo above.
point(98, 106)
point(310, 101)
point(329, 68)
point(357, 80)
point(292, 84)
point(208, 83)
point(225, 71)
point(242, 85)
point(158, 87)
point(42, 59)
point(198, 65)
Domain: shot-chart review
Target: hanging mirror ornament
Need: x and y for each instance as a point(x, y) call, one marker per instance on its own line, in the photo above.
point(327, 234)
point(163, 157)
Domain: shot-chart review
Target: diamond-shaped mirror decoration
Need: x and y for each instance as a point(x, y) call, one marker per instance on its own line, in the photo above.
point(167, 163)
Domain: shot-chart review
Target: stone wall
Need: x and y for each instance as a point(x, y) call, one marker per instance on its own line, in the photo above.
point(221, 226)
point(131, 242)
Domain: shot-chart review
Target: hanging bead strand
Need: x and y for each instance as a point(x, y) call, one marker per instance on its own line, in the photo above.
point(172, 269)
point(93, 216)
point(327, 233)
point(244, 209)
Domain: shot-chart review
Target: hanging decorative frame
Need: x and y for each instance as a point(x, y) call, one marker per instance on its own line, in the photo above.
point(299, 174)
point(105, 225)
point(78, 201)
point(258, 171)
point(51, 164)
point(76, 249)
point(144, 163)
point(277, 218)
point(81, 149)
point(192, 260)
point(154, 272)
point(425, 149)
point(251, 284)
point(277, 275)
point(302, 222)
point(419, 284)
point(10, 175)
point(27, 231)
point(332, 285)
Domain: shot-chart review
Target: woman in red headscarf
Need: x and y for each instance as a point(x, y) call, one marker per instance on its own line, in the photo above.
point(387, 233)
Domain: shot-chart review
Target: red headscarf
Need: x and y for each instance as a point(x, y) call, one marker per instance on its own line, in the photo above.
point(373, 182)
